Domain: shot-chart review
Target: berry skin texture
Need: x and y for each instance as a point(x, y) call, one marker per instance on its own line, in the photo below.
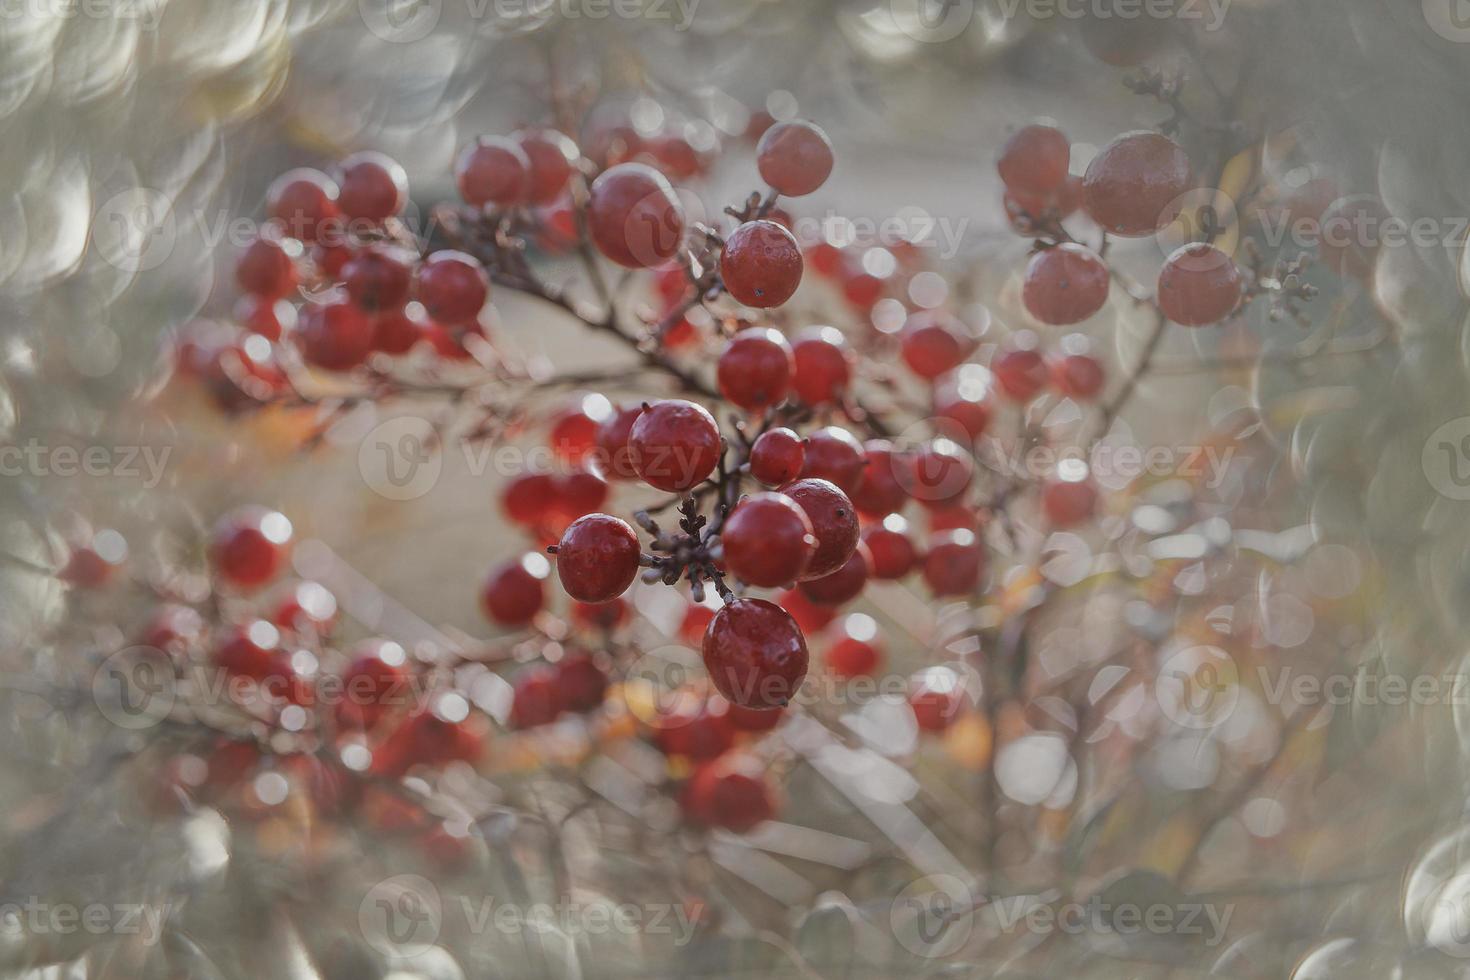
point(1065, 284)
point(955, 564)
point(550, 156)
point(1020, 374)
point(834, 454)
point(1034, 160)
point(777, 457)
point(843, 585)
point(794, 157)
point(834, 522)
point(1068, 503)
point(730, 793)
point(634, 217)
point(492, 170)
point(823, 365)
point(761, 264)
point(250, 546)
point(1198, 285)
point(674, 445)
point(1078, 376)
point(597, 558)
point(934, 343)
point(754, 372)
point(453, 287)
point(514, 593)
point(939, 474)
point(768, 540)
point(335, 336)
point(612, 443)
point(303, 202)
point(372, 187)
point(265, 269)
point(880, 492)
point(1132, 186)
point(378, 277)
point(755, 654)
point(892, 551)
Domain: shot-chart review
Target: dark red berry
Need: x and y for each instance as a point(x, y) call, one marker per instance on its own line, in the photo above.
point(674, 445)
point(372, 187)
point(694, 728)
point(777, 457)
point(761, 264)
point(335, 336)
point(493, 170)
point(250, 546)
point(1067, 503)
point(551, 156)
point(633, 216)
point(375, 683)
point(303, 202)
point(755, 654)
point(515, 591)
point(1198, 285)
point(528, 499)
point(843, 585)
point(582, 682)
point(893, 552)
point(755, 369)
point(1065, 284)
point(453, 287)
point(267, 317)
point(577, 493)
point(1132, 187)
point(1078, 375)
point(266, 268)
point(834, 522)
point(794, 157)
point(856, 651)
point(249, 650)
point(939, 473)
point(613, 453)
point(537, 697)
point(936, 696)
point(378, 277)
point(934, 342)
point(1034, 160)
point(1020, 373)
point(768, 540)
point(597, 558)
point(731, 793)
point(823, 365)
point(955, 563)
point(397, 331)
point(834, 454)
point(965, 401)
point(809, 616)
point(882, 489)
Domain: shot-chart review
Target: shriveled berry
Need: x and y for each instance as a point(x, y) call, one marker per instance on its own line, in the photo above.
point(761, 264)
point(515, 591)
point(372, 186)
point(1065, 284)
point(674, 445)
point(834, 522)
point(934, 342)
point(335, 336)
point(823, 365)
point(794, 157)
point(303, 202)
point(1198, 285)
point(954, 564)
point(893, 552)
point(755, 654)
point(1034, 160)
point(453, 287)
point(597, 558)
point(1132, 187)
point(250, 546)
point(633, 216)
point(551, 156)
point(843, 585)
point(777, 457)
point(768, 540)
point(1020, 373)
point(493, 170)
point(378, 277)
point(754, 371)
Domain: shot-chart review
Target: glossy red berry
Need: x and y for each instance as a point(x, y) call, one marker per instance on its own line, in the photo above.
point(761, 264)
point(674, 445)
point(597, 558)
point(834, 454)
point(1020, 374)
point(372, 187)
point(551, 156)
point(936, 696)
point(939, 473)
point(582, 682)
point(883, 488)
point(1078, 376)
point(303, 202)
point(1067, 503)
point(634, 217)
point(248, 650)
point(250, 546)
point(1034, 160)
point(1132, 187)
point(335, 336)
point(379, 277)
point(777, 457)
point(515, 591)
point(823, 365)
point(834, 522)
point(1198, 285)
point(934, 342)
point(613, 454)
point(1065, 284)
point(768, 540)
point(731, 793)
point(754, 372)
point(375, 683)
point(954, 564)
point(493, 170)
point(537, 698)
point(891, 549)
point(755, 654)
point(267, 317)
point(794, 157)
point(397, 331)
point(856, 651)
point(453, 287)
point(843, 585)
point(266, 268)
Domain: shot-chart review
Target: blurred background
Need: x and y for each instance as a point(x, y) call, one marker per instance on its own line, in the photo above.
point(1315, 830)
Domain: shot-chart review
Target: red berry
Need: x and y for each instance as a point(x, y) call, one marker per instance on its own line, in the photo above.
point(528, 498)
point(824, 258)
point(863, 289)
point(694, 729)
point(834, 454)
point(582, 682)
point(935, 695)
point(882, 489)
point(515, 591)
point(251, 650)
point(303, 202)
point(597, 558)
point(809, 616)
point(777, 457)
point(823, 365)
point(794, 157)
point(674, 445)
point(1020, 373)
point(602, 616)
point(243, 376)
point(768, 540)
point(843, 585)
point(375, 681)
point(731, 793)
point(250, 546)
point(755, 654)
point(857, 651)
point(577, 493)
point(939, 474)
point(1065, 284)
point(537, 698)
point(172, 627)
point(955, 517)
point(965, 401)
point(433, 736)
point(696, 620)
point(330, 259)
point(761, 264)
point(891, 549)
point(1077, 375)
point(755, 369)
point(372, 186)
point(267, 317)
point(551, 156)
point(266, 268)
point(744, 719)
point(493, 170)
point(1067, 503)
point(1034, 160)
point(1198, 285)
point(378, 277)
point(308, 607)
point(574, 433)
point(612, 443)
point(453, 287)
point(1132, 187)
point(93, 566)
point(634, 217)
point(397, 331)
point(834, 522)
point(955, 563)
point(934, 343)
point(335, 336)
